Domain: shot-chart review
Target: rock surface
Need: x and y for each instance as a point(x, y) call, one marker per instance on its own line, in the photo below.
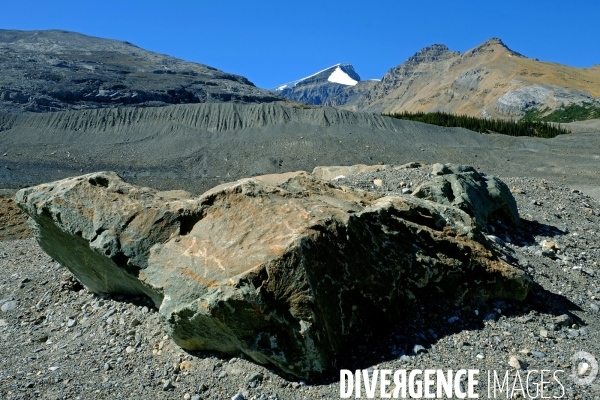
point(480, 196)
point(273, 266)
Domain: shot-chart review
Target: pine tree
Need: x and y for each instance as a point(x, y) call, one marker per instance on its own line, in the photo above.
point(481, 125)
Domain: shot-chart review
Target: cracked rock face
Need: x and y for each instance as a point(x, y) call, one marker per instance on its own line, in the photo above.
point(288, 269)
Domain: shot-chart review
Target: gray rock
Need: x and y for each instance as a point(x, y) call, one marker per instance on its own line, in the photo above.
point(238, 396)
point(482, 197)
point(573, 332)
point(257, 376)
point(496, 240)
point(44, 300)
point(418, 349)
point(221, 267)
point(538, 354)
point(41, 337)
point(515, 362)
point(9, 305)
point(134, 322)
point(168, 385)
point(548, 253)
point(562, 320)
point(440, 169)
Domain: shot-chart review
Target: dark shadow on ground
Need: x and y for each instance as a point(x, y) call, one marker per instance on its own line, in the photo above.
point(424, 326)
point(524, 235)
point(431, 321)
point(436, 320)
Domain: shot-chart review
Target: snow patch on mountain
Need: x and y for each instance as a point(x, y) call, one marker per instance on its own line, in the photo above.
point(342, 73)
point(339, 76)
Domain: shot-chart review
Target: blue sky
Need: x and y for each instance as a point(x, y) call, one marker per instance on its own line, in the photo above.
point(273, 42)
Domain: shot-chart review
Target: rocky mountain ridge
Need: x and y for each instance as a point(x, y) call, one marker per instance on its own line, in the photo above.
point(55, 70)
point(489, 80)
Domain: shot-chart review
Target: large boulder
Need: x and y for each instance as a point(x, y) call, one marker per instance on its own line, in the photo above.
point(288, 269)
point(482, 197)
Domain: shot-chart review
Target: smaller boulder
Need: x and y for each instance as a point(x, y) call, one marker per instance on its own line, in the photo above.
point(482, 197)
point(440, 169)
point(515, 362)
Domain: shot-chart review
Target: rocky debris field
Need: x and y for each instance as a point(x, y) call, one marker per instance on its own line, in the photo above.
point(195, 147)
point(61, 341)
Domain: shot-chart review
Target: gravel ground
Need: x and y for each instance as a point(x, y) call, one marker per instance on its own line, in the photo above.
point(60, 341)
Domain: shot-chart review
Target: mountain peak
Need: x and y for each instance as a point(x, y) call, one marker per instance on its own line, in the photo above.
point(431, 53)
point(494, 41)
point(342, 73)
point(435, 48)
point(490, 46)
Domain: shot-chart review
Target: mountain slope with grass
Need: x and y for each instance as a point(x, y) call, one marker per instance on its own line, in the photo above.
point(489, 80)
